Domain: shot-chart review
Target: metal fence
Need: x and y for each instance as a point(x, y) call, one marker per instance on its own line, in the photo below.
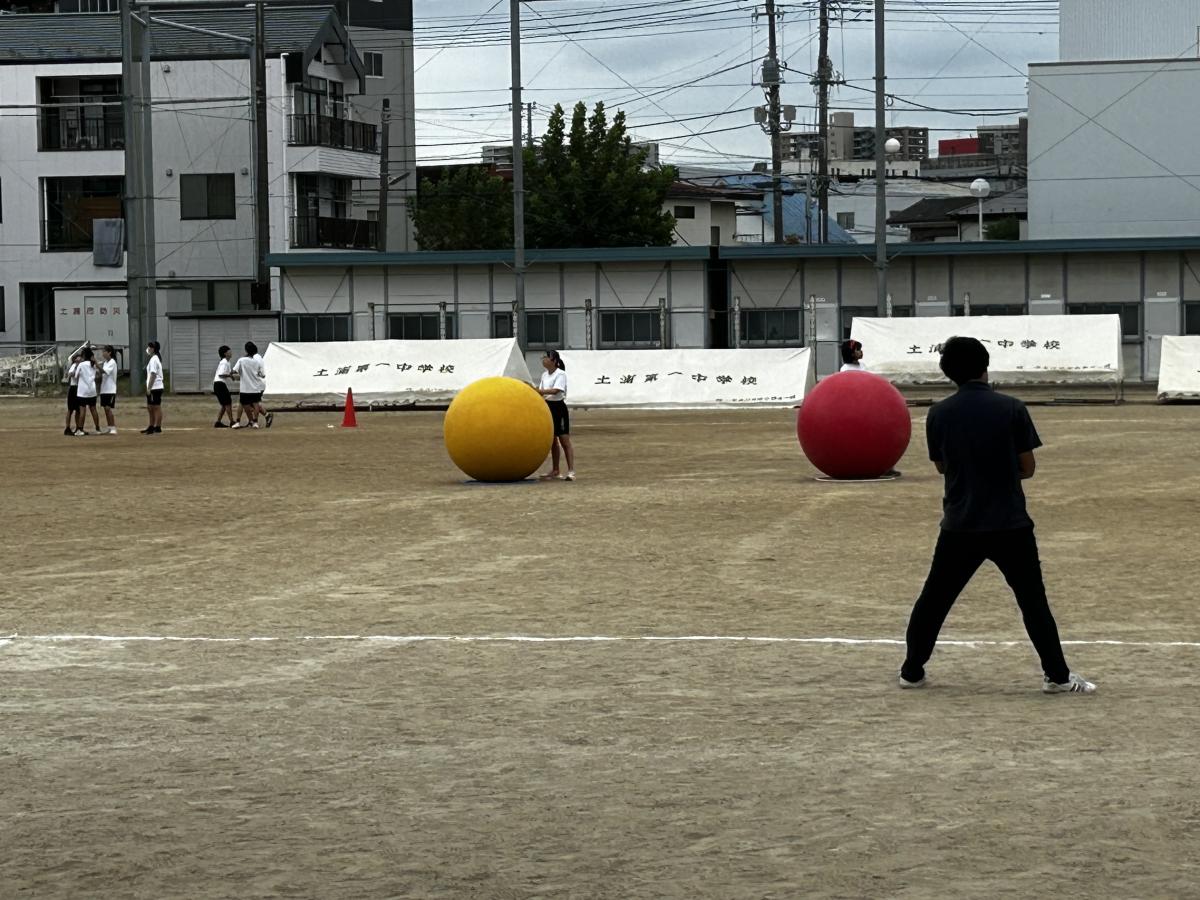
point(30, 369)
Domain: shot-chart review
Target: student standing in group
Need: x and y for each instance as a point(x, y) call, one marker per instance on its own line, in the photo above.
point(983, 442)
point(852, 354)
point(154, 388)
point(86, 391)
point(553, 387)
point(251, 373)
point(221, 381)
point(108, 388)
point(74, 421)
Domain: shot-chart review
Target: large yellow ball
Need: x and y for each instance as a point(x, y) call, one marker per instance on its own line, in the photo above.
point(498, 429)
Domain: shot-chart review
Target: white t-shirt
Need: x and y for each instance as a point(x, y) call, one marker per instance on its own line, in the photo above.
point(253, 372)
point(555, 379)
point(73, 374)
point(223, 370)
point(154, 374)
point(85, 372)
point(853, 367)
point(108, 384)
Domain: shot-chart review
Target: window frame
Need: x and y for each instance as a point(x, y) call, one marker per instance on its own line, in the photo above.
point(369, 55)
point(689, 215)
point(633, 342)
point(208, 215)
point(422, 316)
point(324, 327)
point(764, 312)
point(1119, 307)
point(1188, 306)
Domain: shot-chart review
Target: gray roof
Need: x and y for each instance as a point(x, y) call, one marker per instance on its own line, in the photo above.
point(93, 37)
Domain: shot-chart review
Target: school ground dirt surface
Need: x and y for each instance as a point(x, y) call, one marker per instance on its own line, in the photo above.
point(265, 721)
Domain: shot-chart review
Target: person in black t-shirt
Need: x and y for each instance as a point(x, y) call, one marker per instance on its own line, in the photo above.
point(983, 443)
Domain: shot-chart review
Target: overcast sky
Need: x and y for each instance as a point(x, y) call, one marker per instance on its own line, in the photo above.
point(934, 58)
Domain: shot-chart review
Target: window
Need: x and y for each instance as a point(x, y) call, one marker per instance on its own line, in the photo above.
point(1130, 313)
point(321, 327)
point(771, 326)
point(207, 197)
point(845, 220)
point(418, 326)
point(685, 212)
point(99, 6)
point(2, 325)
point(1191, 318)
point(373, 62)
point(991, 309)
point(541, 328)
point(849, 313)
point(629, 329)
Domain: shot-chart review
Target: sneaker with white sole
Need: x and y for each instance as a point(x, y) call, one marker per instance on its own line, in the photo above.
point(1076, 684)
point(907, 685)
point(237, 425)
point(570, 476)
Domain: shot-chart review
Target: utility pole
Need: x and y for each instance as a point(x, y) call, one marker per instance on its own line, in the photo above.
point(135, 236)
point(881, 260)
point(514, 29)
point(146, 148)
point(382, 223)
point(262, 197)
point(824, 77)
point(771, 76)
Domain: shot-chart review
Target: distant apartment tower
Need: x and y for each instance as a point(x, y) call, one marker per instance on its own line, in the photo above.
point(847, 142)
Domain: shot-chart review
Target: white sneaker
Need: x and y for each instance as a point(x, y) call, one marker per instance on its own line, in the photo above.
point(237, 425)
point(80, 433)
point(570, 476)
point(907, 685)
point(112, 431)
point(253, 424)
point(1076, 684)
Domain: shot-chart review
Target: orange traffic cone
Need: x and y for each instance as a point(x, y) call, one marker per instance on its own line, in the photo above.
point(349, 420)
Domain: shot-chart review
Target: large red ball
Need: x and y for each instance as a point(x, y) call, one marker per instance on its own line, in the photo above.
point(854, 425)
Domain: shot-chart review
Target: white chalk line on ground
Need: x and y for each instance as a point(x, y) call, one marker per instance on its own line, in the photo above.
point(539, 639)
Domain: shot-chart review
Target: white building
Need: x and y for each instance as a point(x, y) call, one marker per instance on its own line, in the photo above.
point(1112, 135)
point(1098, 30)
point(707, 215)
point(62, 141)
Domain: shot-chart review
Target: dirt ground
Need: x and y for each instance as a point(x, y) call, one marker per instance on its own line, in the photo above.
point(339, 759)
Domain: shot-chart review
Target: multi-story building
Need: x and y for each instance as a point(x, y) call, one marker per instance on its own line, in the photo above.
point(63, 146)
point(848, 142)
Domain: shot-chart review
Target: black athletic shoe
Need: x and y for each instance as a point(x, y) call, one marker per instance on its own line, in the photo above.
point(158, 429)
point(69, 432)
point(219, 425)
point(270, 419)
point(149, 429)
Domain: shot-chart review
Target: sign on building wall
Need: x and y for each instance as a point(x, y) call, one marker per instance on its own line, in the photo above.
point(101, 317)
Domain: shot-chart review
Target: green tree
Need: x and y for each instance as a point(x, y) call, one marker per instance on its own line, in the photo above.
point(587, 187)
point(468, 208)
point(1005, 230)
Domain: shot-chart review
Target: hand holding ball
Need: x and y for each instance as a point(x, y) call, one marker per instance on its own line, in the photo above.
point(498, 429)
point(854, 425)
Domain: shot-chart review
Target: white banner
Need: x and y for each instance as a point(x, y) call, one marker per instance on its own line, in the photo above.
point(688, 379)
point(386, 372)
point(1023, 349)
point(1179, 368)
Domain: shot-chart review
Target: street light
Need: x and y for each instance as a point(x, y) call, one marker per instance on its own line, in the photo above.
point(980, 190)
point(892, 147)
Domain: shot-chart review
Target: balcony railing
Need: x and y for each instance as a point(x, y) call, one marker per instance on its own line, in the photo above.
point(323, 231)
point(326, 131)
point(71, 128)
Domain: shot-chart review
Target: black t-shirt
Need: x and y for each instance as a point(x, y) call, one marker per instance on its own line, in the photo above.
point(977, 435)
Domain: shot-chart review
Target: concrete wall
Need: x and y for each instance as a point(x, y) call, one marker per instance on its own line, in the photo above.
point(1112, 150)
point(697, 232)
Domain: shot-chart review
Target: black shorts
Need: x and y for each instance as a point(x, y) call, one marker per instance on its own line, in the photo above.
point(154, 398)
point(108, 401)
point(72, 399)
point(85, 402)
point(221, 392)
point(249, 399)
point(561, 417)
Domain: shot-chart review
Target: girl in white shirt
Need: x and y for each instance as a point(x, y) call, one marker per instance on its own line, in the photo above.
point(108, 388)
point(221, 380)
point(70, 428)
point(553, 387)
point(154, 388)
point(86, 389)
point(852, 354)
